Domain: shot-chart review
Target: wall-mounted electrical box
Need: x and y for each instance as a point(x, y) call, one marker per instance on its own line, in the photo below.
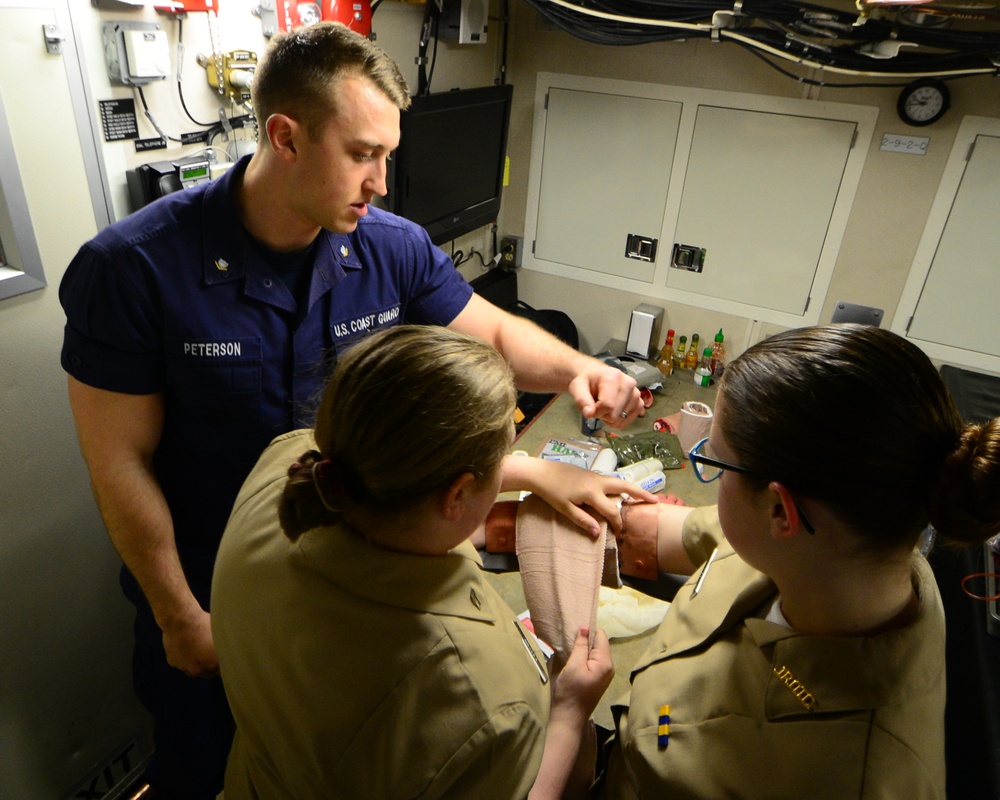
point(464, 20)
point(136, 53)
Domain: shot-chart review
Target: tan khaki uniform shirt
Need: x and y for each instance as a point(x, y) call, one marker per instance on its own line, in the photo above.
point(740, 691)
point(355, 672)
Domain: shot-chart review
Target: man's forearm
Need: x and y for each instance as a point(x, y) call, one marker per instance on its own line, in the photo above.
point(141, 530)
point(541, 362)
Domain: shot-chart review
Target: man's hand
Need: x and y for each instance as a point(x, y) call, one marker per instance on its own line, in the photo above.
point(542, 363)
point(606, 393)
point(190, 647)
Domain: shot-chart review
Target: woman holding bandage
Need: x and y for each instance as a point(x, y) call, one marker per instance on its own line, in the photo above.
point(362, 652)
point(805, 657)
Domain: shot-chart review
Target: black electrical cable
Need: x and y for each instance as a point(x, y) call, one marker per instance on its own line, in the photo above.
point(434, 52)
point(425, 35)
point(822, 36)
point(180, 92)
point(505, 10)
point(149, 116)
point(811, 81)
point(598, 31)
point(459, 258)
point(218, 129)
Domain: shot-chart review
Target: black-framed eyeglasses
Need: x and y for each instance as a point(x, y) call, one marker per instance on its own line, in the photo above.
point(708, 469)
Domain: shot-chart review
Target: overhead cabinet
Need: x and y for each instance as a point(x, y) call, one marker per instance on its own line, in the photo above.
point(725, 201)
point(602, 180)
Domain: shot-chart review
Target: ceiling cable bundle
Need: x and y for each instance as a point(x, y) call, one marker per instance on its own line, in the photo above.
point(901, 41)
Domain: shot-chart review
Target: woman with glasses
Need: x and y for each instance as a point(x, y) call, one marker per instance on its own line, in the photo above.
point(805, 657)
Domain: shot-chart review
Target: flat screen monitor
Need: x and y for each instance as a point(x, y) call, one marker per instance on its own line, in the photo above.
point(447, 173)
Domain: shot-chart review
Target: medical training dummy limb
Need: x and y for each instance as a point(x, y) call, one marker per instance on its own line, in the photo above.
point(567, 767)
point(671, 555)
point(648, 533)
point(561, 572)
point(542, 363)
point(118, 434)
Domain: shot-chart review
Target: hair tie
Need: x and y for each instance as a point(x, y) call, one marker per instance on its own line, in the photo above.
point(318, 480)
point(987, 597)
point(304, 462)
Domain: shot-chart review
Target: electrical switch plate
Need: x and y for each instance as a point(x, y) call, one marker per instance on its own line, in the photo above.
point(147, 54)
point(136, 53)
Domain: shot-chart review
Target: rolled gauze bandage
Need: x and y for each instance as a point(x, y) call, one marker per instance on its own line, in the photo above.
point(696, 422)
point(561, 569)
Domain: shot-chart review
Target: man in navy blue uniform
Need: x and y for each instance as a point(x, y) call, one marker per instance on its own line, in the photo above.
point(204, 325)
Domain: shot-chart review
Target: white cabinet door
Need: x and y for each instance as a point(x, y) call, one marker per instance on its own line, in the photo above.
point(605, 174)
point(959, 302)
point(763, 185)
point(950, 302)
point(759, 192)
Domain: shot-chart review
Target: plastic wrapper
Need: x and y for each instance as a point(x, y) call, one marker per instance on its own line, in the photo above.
point(626, 612)
point(632, 447)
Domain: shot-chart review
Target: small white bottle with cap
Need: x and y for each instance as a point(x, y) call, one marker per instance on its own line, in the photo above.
point(654, 482)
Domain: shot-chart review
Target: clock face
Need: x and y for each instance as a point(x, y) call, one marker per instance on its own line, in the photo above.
point(923, 103)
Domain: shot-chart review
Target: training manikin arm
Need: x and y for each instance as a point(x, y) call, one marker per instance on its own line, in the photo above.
point(118, 435)
point(671, 557)
point(649, 533)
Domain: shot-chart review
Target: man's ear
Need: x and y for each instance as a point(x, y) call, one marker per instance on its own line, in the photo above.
point(785, 518)
point(456, 496)
point(282, 134)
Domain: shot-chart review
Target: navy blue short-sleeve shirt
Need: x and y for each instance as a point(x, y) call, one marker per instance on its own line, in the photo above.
point(176, 299)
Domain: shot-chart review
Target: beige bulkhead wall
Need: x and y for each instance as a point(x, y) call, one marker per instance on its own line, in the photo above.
point(885, 224)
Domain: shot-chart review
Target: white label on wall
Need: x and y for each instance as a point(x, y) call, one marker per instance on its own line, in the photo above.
point(901, 143)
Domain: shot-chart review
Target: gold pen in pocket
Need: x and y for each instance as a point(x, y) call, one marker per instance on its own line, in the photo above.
point(704, 572)
point(542, 672)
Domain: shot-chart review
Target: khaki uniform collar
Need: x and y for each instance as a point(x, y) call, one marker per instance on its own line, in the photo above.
point(448, 585)
point(820, 673)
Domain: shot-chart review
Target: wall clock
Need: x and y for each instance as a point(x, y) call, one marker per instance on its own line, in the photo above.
point(923, 102)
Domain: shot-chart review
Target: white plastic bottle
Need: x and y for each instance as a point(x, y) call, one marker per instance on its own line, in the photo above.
point(654, 482)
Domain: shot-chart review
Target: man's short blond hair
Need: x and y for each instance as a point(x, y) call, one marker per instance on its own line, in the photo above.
point(298, 70)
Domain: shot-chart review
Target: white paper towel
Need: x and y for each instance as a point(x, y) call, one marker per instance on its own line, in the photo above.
point(696, 422)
